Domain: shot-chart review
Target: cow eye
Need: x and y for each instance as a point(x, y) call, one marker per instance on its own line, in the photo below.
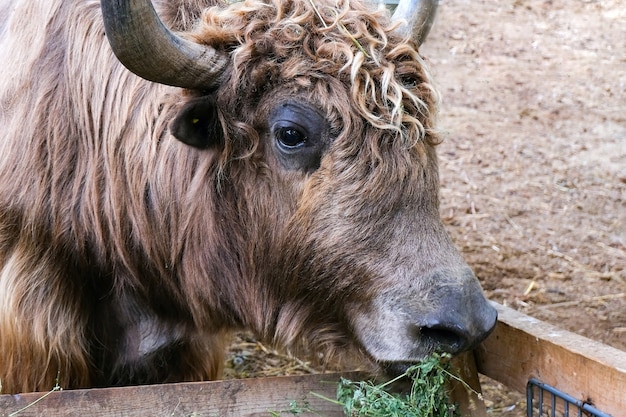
point(290, 137)
point(300, 135)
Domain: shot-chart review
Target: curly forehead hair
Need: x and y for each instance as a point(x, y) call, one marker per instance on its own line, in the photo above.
point(277, 41)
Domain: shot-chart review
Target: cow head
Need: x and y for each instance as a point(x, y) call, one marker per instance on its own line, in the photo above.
point(320, 117)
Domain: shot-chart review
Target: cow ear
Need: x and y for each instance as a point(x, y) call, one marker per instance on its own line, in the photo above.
point(197, 123)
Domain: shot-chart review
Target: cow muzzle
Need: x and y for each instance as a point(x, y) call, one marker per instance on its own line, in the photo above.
point(445, 311)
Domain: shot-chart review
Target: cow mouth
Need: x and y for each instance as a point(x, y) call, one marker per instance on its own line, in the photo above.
point(395, 369)
point(446, 351)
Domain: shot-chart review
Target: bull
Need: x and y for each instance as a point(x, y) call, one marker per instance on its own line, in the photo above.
point(266, 165)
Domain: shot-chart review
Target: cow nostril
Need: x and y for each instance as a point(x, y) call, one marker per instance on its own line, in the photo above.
point(444, 338)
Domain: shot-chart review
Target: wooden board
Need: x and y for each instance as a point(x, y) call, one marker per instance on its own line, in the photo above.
point(522, 347)
point(469, 398)
point(243, 397)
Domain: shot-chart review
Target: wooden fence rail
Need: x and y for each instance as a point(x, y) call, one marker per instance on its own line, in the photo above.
point(522, 347)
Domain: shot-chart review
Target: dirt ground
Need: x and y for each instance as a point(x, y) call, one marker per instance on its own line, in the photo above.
point(533, 163)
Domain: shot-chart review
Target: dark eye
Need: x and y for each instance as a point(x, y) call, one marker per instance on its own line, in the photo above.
point(290, 137)
point(299, 135)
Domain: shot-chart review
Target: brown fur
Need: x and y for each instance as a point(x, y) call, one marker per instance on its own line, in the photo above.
point(126, 256)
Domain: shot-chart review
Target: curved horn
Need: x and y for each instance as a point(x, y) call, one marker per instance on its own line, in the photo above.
point(146, 47)
point(419, 15)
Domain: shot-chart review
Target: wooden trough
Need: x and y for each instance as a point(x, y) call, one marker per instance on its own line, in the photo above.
point(520, 347)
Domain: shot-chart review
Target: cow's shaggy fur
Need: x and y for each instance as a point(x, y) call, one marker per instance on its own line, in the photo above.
point(126, 256)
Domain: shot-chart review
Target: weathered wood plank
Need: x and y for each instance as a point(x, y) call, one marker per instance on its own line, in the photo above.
point(522, 347)
point(469, 401)
point(243, 397)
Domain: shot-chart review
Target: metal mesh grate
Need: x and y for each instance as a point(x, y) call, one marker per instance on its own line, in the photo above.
point(546, 400)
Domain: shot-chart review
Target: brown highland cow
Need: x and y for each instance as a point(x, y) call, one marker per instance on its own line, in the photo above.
point(266, 165)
